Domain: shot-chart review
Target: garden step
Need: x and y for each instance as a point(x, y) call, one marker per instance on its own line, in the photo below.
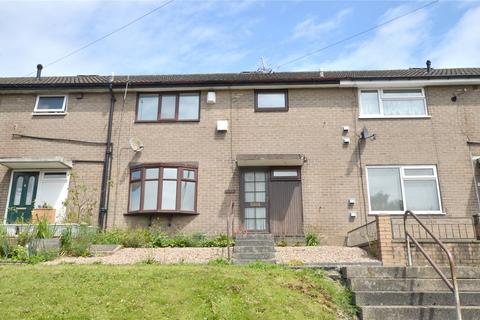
point(417, 313)
point(411, 298)
point(253, 249)
point(258, 236)
point(408, 272)
point(379, 284)
point(256, 243)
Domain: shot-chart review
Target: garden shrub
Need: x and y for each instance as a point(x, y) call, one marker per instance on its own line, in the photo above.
point(137, 238)
point(312, 240)
point(4, 243)
point(77, 245)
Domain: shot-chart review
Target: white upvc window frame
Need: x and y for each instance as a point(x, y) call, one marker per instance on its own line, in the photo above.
point(403, 177)
point(56, 111)
point(380, 97)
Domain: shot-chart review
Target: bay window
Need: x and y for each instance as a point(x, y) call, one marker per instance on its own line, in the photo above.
point(394, 189)
point(168, 107)
point(391, 103)
point(163, 188)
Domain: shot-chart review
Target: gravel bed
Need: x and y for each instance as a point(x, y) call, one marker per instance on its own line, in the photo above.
point(321, 255)
point(287, 255)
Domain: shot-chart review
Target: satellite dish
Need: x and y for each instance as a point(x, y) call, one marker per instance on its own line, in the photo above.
point(136, 144)
point(367, 135)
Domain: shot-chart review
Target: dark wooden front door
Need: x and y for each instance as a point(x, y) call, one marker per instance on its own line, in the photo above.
point(286, 217)
point(22, 197)
point(272, 201)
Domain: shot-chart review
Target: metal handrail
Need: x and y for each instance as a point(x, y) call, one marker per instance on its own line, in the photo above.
point(453, 285)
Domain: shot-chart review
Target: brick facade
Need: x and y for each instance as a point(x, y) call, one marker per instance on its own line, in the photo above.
point(312, 126)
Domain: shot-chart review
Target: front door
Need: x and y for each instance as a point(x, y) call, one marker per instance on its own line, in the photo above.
point(22, 197)
point(286, 214)
point(272, 200)
point(254, 192)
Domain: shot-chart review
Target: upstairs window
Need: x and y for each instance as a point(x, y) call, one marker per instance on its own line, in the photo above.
point(394, 189)
point(163, 188)
point(271, 100)
point(168, 107)
point(50, 104)
point(391, 103)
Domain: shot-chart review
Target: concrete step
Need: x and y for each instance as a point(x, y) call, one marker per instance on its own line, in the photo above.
point(417, 285)
point(254, 243)
point(408, 272)
point(247, 261)
point(411, 298)
point(254, 256)
point(417, 313)
point(253, 249)
point(255, 236)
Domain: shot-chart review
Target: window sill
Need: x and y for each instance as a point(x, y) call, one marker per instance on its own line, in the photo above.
point(271, 110)
point(49, 113)
point(401, 213)
point(165, 121)
point(152, 213)
point(395, 117)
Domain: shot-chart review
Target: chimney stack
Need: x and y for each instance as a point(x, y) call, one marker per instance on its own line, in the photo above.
point(429, 66)
point(39, 71)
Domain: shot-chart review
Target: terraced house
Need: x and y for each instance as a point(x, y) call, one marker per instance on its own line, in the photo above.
point(282, 153)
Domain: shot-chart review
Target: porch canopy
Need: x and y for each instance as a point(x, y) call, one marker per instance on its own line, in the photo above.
point(36, 163)
point(270, 160)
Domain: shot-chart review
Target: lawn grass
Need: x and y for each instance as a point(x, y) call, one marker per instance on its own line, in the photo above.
point(168, 292)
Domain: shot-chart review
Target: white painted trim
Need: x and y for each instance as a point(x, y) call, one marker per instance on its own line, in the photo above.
point(381, 99)
point(49, 113)
point(64, 106)
point(395, 117)
point(402, 178)
point(365, 84)
point(41, 175)
point(8, 197)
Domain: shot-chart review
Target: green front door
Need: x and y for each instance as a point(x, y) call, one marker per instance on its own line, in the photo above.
point(22, 197)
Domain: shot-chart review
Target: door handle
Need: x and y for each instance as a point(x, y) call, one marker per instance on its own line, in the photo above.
point(21, 208)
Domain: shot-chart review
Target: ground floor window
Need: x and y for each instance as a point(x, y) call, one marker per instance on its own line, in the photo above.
point(394, 189)
point(163, 188)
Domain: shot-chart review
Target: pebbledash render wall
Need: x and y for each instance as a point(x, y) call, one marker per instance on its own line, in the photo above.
point(313, 127)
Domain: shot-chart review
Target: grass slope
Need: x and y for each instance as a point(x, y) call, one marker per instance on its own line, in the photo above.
point(168, 292)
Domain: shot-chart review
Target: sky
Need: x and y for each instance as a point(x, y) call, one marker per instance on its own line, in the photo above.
point(207, 36)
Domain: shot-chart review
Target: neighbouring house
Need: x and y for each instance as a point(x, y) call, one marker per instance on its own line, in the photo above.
point(290, 152)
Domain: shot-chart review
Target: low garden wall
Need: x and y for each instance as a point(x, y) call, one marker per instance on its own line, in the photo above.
point(458, 237)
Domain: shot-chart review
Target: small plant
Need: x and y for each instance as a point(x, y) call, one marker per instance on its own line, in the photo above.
point(19, 253)
point(149, 260)
point(77, 245)
point(66, 240)
point(44, 205)
point(295, 263)
point(43, 256)
point(4, 243)
point(26, 235)
point(263, 266)
point(312, 240)
point(43, 229)
point(219, 262)
point(81, 202)
point(282, 243)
